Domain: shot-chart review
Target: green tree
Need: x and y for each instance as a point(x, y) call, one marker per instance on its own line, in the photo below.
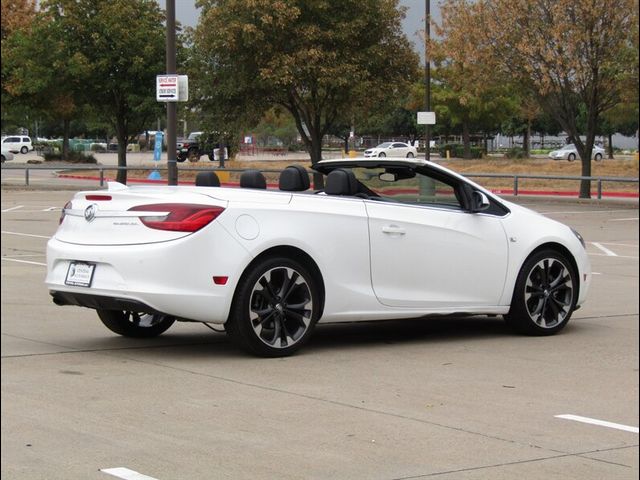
point(568, 55)
point(122, 43)
point(320, 61)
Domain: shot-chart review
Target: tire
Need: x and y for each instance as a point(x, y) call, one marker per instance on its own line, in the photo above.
point(545, 295)
point(3, 159)
point(181, 158)
point(24, 150)
point(134, 324)
point(193, 156)
point(571, 157)
point(598, 157)
point(409, 155)
point(382, 154)
point(275, 308)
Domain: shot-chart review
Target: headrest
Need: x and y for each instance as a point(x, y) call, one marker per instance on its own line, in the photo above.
point(207, 179)
point(294, 178)
point(252, 179)
point(341, 182)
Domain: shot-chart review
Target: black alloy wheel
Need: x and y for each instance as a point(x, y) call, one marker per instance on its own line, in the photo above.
point(545, 295)
point(275, 309)
point(135, 324)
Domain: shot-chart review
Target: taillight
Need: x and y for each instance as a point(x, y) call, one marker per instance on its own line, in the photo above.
point(99, 198)
point(67, 206)
point(178, 217)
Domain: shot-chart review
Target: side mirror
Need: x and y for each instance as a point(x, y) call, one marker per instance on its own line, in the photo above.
point(479, 201)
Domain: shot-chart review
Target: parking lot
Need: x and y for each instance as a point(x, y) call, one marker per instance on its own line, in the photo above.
point(454, 398)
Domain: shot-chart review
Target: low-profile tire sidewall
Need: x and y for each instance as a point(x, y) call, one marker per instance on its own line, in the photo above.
point(239, 327)
point(116, 321)
point(518, 317)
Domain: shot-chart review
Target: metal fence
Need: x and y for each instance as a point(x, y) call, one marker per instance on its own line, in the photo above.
point(515, 178)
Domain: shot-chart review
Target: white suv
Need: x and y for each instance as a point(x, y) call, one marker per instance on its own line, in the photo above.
point(17, 143)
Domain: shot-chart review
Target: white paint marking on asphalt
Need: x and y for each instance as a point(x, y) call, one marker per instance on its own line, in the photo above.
point(619, 244)
point(23, 261)
point(602, 423)
point(617, 256)
point(596, 273)
point(51, 209)
point(632, 219)
point(126, 474)
point(12, 208)
point(24, 234)
point(604, 249)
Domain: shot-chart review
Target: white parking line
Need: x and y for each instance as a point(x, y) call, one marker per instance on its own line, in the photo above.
point(624, 219)
point(602, 423)
point(125, 473)
point(23, 261)
point(604, 249)
point(24, 234)
point(12, 208)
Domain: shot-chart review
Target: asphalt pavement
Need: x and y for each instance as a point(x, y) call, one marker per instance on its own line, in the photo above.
point(454, 398)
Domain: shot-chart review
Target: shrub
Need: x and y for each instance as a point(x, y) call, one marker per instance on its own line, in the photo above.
point(515, 152)
point(456, 150)
point(72, 157)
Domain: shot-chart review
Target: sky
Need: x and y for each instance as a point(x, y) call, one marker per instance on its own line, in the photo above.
point(187, 14)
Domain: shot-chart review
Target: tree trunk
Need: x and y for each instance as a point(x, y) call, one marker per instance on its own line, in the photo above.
point(466, 140)
point(121, 134)
point(526, 143)
point(610, 146)
point(65, 138)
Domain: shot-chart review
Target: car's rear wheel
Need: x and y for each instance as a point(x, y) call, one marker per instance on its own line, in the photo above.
point(545, 295)
point(598, 157)
point(571, 157)
point(135, 324)
point(24, 150)
point(275, 308)
point(382, 154)
point(409, 155)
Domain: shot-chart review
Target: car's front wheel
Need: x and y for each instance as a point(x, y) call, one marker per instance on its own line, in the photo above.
point(275, 308)
point(545, 295)
point(135, 324)
point(598, 157)
point(571, 157)
point(382, 154)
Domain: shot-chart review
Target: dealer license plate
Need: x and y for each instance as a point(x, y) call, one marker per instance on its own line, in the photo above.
point(80, 274)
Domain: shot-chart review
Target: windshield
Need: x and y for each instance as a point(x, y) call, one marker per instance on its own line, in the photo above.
point(384, 145)
point(406, 186)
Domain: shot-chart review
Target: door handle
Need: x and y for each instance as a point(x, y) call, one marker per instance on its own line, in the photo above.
point(393, 229)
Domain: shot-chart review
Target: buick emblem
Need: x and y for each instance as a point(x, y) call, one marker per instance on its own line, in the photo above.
point(90, 212)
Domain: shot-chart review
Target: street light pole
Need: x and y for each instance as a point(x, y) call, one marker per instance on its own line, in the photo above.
point(427, 76)
point(172, 163)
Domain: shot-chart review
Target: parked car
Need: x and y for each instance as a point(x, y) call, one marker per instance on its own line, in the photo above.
point(17, 144)
point(385, 239)
point(570, 152)
point(7, 155)
point(392, 149)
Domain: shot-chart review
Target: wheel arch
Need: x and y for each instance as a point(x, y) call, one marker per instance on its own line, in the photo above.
point(293, 253)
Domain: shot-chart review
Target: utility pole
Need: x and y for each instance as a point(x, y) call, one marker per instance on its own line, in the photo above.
point(427, 76)
point(172, 163)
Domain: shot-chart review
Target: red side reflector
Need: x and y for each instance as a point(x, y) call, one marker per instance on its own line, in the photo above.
point(220, 280)
point(98, 198)
point(178, 217)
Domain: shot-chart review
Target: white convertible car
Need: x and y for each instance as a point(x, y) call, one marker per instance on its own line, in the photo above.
point(385, 239)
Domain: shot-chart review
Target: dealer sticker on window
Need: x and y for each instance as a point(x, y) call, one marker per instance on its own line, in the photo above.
point(80, 274)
